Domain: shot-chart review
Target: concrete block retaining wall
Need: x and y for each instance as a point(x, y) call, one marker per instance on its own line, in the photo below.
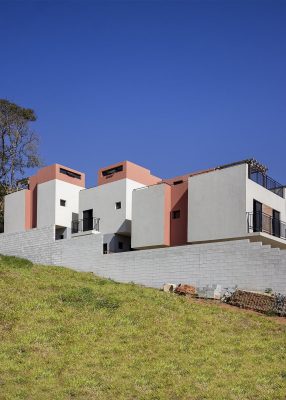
point(242, 263)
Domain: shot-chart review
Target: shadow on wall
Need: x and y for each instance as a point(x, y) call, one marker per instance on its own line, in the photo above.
point(115, 243)
point(179, 214)
point(125, 227)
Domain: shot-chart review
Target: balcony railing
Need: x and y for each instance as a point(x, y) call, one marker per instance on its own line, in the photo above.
point(86, 224)
point(260, 222)
point(267, 182)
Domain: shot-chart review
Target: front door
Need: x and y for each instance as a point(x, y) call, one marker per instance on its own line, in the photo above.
point(87, 221)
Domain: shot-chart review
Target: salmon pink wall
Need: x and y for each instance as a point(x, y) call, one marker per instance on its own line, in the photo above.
point(130, 171)
point(44, 175)
point(178, 227)
point(28, 210)
point(53, 172)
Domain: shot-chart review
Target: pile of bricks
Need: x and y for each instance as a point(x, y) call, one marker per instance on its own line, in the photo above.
point(252, 300)
point(186, 290)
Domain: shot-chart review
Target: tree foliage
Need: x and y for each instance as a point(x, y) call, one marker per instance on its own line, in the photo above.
point(18, 147)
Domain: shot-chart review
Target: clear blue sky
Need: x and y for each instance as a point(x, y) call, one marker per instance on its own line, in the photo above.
point(172, 85)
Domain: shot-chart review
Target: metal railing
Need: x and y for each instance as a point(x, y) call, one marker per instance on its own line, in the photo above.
point(261, 222)
point(267, 182)
point(86, 224)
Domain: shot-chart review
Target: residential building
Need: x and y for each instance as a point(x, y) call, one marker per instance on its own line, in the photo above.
point(52, 198)
point(135, 210)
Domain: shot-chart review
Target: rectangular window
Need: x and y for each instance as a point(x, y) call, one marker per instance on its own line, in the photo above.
point(120, 245)
point(112, 171)
point(62, 202)
point(118, 205)
point(104, 248)
point(70, 173)
point(176, 214)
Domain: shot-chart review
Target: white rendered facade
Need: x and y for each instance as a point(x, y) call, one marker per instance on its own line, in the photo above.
point(57, 201)
point(15, 212)
point(112, 203)
point(210, 205)
point(214, 207)
point(149, 216)
point(220, 201)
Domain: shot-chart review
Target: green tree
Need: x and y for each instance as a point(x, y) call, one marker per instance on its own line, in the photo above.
point(18, 148)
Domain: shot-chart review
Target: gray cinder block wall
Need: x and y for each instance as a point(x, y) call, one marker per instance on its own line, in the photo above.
point(248, 265)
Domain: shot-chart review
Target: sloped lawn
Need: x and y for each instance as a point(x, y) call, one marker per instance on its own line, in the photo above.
point(70, 335)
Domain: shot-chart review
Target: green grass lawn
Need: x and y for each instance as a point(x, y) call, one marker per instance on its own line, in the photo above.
point(70, 335)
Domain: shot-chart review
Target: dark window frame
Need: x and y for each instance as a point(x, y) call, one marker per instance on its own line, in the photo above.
point(257, 216)
point(63, 203)
point(118, 205)
point(111, 171)
point(71, 174)
point(276, 228)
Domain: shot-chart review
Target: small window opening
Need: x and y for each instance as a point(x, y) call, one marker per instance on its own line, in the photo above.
point(118, 205)
point(104, 248)
point(112, 171)
point(176, 214)
point(70, 173)
point(62, 202)
point(120, 245)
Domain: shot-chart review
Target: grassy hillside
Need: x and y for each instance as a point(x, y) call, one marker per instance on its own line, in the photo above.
point(69, 335)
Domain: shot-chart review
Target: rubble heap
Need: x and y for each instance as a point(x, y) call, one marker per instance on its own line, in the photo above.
point(254, 301)
point(280, 304)
point(261, 302)
point(186, 290)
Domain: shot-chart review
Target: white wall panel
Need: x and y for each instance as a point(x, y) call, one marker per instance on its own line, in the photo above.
point(148, 217)
point(217, 204)
point(14, 211)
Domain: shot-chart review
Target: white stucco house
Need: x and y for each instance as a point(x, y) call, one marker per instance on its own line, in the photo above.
point(224, 225)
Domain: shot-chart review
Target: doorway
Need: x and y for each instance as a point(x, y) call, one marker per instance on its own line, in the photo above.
point(87, 220)
point(276, 230)
point(257, 216)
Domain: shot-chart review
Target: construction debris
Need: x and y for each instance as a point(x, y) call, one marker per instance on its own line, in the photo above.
point(218, 292)
point(280, 304)
point(262, 302)
point(213, 292)
point(186, 290)
point(252, 300)
point(266, 302)
point(169, 287)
